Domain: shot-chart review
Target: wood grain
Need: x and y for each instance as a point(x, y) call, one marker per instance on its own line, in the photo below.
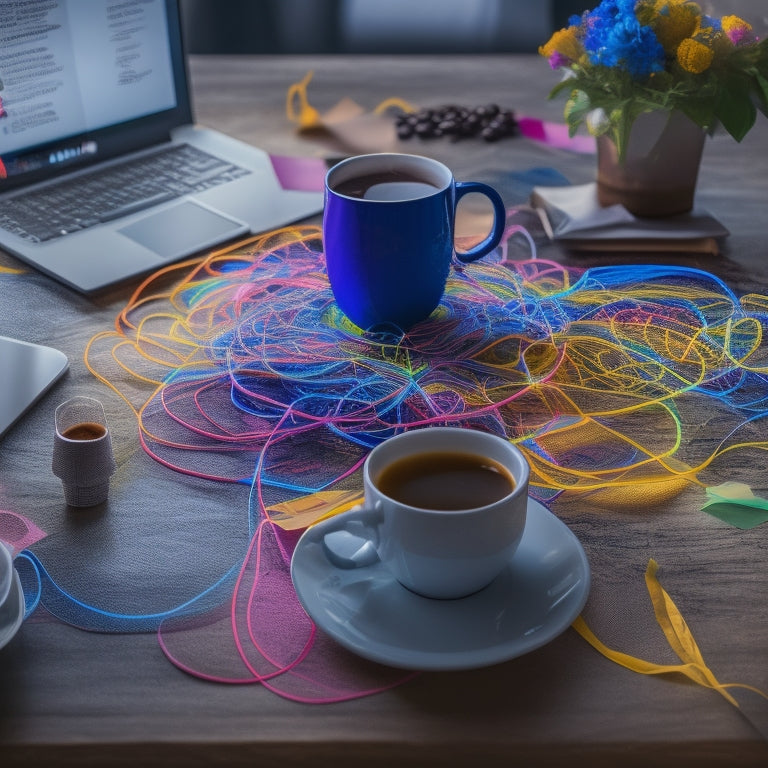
point(69, 697)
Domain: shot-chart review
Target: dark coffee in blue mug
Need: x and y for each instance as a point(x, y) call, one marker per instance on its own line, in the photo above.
point(388, 235)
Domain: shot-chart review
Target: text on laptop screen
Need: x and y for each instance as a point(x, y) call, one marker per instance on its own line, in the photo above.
point(69, 68)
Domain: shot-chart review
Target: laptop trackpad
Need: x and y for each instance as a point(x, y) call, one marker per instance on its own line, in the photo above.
point(182, 230)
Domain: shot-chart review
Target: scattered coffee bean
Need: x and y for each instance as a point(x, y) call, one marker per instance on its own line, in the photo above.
point(490, 122)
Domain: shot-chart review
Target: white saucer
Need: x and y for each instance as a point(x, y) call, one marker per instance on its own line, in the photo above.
point(12, 611)
point(538, 595)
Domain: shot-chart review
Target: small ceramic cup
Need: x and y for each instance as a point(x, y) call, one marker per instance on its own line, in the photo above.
point(437, 553)
point(82, 452)
point(388, 236)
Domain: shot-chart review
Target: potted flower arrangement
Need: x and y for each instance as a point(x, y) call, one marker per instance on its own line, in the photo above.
point(630, 63)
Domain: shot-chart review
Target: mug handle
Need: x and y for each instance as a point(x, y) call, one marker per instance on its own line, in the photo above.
point(499, 219)
point(350, 540)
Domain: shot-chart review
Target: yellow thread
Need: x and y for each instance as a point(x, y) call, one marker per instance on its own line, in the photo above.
point(678, 636)
point(297, 106)
point(299, 110)
point(395, 102)
point(304, 511)
point(576, 397)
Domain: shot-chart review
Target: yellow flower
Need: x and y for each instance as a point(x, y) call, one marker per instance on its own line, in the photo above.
point(565, 43)
point(674, 23)
point(735, 28)
point(694, 56)
point(734, 22)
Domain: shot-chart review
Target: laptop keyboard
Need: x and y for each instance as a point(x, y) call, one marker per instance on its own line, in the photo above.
point(114, 192)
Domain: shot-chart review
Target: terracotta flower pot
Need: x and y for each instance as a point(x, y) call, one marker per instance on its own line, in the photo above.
point(658, 174)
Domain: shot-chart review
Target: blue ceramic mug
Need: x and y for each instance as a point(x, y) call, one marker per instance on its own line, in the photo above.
point(388, 235)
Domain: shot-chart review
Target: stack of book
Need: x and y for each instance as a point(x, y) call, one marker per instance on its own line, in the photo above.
point(573, 216)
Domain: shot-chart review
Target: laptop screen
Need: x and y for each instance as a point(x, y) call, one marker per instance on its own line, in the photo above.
point(82, 81)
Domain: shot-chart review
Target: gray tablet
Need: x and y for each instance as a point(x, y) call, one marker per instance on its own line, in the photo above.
point(27, 371)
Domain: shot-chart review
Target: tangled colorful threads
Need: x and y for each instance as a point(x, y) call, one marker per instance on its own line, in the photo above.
point(602, 376)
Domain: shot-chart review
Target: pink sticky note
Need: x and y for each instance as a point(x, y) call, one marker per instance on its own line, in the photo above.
point(555, 135)
point(306, 174)
point(17, 531)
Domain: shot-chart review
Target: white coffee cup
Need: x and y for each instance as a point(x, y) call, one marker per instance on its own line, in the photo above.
point(438, 553)
point(82, 451)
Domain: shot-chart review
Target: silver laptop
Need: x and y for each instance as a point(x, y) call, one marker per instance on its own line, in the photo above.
point(103, 175)
point(27, 372)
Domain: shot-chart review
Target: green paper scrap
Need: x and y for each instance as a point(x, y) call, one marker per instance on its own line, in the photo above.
point(735, 504)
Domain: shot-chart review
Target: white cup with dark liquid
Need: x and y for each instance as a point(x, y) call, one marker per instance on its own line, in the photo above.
point(444, 511)
point(82, 452)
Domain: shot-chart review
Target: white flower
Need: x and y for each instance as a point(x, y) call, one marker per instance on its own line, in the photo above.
point(597, 121)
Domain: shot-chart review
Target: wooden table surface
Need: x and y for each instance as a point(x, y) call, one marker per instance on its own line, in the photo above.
point(71, 697)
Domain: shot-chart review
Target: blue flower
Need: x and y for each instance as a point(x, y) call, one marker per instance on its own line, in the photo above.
point(613, 37)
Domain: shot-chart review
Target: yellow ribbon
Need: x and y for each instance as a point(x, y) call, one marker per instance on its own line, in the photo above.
point(397, 103)
point(300, 111)
point(297, 106)
point(678, 636)
point(310, 509)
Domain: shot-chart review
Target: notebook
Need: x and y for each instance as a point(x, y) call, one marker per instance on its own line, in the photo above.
point(103, 175)
point(573, 216)
point(27, 372)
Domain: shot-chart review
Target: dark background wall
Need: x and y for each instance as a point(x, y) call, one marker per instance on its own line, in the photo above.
point(396, 26)
point(372, 26)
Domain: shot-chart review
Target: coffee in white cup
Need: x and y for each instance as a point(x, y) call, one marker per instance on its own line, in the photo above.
point(82, 452)
point(444, 510)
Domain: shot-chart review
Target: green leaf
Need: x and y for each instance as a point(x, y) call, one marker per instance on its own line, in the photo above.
point(735, 109)
point(736, 504)
point(737, 515)
point(763, 93)
point(701, 112)
point(622, 119)
point(561, 86)
point(576, 109)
